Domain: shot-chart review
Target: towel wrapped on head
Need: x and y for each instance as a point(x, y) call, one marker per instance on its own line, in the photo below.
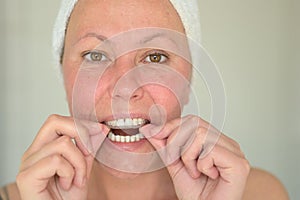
point(187, 10)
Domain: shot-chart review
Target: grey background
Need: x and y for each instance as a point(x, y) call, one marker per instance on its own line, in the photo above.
point(255, 44)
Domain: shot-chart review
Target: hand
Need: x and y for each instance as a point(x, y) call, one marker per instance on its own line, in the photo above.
point(219, 173)
point(55, 167)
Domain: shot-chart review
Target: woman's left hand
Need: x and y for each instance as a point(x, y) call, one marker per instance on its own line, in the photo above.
point(220, 174)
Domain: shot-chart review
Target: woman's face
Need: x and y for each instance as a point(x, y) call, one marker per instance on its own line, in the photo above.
point(94, 21)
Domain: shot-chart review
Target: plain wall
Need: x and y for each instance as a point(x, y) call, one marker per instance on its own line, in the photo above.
point(255, 44)
point(30, 87)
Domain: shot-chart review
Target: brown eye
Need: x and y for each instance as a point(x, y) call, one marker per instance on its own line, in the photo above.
point(156, 58)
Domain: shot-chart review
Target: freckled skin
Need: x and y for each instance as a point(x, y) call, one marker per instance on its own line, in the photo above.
point(109, 18)
point(38, 178)
point(120, 16)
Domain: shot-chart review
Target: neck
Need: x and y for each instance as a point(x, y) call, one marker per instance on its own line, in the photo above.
point(109, 184)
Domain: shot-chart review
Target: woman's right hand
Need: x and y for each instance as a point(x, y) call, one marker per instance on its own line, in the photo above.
point(54, 167)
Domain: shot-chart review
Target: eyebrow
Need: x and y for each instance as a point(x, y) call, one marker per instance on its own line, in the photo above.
point(144, 41)
point(157, 35)
point(91, 34)
point(151, 37)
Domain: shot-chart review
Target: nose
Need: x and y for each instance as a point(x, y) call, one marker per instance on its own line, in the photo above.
point(127, 89)
point(125, 80)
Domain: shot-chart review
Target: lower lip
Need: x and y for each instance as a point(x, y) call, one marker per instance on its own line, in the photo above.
point(130, 146)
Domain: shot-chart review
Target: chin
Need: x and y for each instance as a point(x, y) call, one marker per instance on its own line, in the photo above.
point(119, 174)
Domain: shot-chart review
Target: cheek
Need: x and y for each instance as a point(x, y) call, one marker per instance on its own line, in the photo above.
point(165, 98)
point(184, 68)
point(104, 85)
point(69, 76)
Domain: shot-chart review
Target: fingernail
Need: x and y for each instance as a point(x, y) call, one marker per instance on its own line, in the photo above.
point(150, 130)
point(97, 141)
point(83, 181)
point(146, 128)
point(104, 129)
point(155, 130)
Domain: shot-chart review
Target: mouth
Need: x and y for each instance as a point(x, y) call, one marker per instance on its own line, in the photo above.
point(126, 130)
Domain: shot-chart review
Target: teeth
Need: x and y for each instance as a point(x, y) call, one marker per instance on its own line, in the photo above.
point(118, 138)
point(132, 139)
point(125, 139)
point(122, 139)
point(140, 121)
point(135, 121)
point(126, 123)
point(120, 123)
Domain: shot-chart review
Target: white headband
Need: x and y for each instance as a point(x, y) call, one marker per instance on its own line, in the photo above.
point(187, 10)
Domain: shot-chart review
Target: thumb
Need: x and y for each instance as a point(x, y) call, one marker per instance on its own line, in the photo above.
point(89, 162)
point(97, 139)
point(151, 131)
point(168, 153)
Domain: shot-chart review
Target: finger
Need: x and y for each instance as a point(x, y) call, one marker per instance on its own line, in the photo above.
point(204, 124)
point(92, 134)
point(200, 147)
point(89, 160)
point(214, 139)
point(65, 147)
point(231, 145)
point(36, 178)
point(179, 138)
point(191, 154)
point(162, 132)
point(186, 143)
point(222, 162)
point(56, 126)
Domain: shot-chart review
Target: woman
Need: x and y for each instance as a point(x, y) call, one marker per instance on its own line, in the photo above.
point(57, 167)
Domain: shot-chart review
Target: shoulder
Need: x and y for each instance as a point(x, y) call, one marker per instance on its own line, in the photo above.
point(263, 185)
point(10, 192)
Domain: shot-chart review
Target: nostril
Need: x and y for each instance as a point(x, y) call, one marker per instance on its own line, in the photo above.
point(135, 96)
point(138, 93)
point(127, 89)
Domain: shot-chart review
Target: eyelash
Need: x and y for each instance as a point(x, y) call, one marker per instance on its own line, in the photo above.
point(90, 53)
point(147, 55)
point(164, 57)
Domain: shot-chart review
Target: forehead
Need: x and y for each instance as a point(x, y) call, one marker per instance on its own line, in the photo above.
point(110, 17)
